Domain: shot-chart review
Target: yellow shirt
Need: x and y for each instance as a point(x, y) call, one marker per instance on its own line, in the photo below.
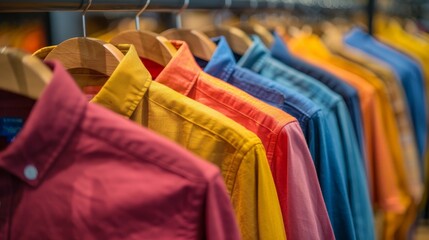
point(238, 152)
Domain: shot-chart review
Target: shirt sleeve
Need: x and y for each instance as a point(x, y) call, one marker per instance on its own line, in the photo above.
point(220, 222)
point(254, 198)
point(303, 207)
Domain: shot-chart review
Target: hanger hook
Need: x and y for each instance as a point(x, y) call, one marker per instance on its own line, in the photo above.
point(137, 18)
point(178, 16)
point(222, 12)
point(227, 4)
point(254, 4)
point(84, 17)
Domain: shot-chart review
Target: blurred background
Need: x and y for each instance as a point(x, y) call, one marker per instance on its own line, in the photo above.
point(31, 31)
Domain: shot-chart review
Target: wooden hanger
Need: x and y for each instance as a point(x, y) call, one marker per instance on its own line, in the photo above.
point(148, 44)
point(23, 74)
point(259, 30)
point(237, 39)
point(88, 53)
point(199, 43)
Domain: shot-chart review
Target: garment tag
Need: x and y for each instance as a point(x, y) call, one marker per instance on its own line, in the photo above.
point(10, 127)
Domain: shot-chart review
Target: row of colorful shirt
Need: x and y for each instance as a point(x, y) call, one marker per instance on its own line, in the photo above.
point(312, 137)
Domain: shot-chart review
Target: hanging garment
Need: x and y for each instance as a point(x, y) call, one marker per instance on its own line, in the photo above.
point(416, 48)
point(280, 51)
point(412, 170)
point(405, 169)
point(258, 59)
point(406, 70)
point(288, 155)
point(396, 98)
point(238, 152)
point(411, 77)
point(415, 45)
point(98, 176)
point(310, 116)
point(379, 114)
point(409, 169)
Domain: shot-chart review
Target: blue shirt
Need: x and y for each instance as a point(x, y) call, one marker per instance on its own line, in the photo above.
point(408, 72)
point(258, 58)
point(313, 122)
point(280, 52)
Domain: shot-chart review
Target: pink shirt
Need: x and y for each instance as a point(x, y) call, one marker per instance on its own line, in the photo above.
point(78, 171)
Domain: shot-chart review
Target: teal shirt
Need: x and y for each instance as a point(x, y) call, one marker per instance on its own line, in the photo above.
point(258, 59)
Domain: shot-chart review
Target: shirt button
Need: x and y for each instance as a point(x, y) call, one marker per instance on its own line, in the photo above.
point(30, 172)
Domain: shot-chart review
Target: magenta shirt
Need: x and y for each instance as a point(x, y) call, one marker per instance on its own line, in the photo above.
point(78, 171)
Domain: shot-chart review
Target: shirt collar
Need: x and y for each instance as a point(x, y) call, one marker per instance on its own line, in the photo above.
point(356, 35)
point(47, 131)
point(124, 90)
point(224, 66)
point(222, 63)
point(256, 54)
point(182, 67)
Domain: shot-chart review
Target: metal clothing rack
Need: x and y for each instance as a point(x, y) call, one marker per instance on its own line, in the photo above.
point(131, 5)
point(178, 5)
point(163, 5)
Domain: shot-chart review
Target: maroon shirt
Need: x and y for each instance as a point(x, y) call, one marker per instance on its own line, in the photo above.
point(78, 171)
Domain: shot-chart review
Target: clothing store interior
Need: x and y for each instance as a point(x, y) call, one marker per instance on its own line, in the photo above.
point(214, 119)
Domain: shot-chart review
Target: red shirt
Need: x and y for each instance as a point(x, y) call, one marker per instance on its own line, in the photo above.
point(78, 171)
point(291, 164)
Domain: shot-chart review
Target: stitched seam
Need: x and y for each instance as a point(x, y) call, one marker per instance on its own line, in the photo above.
point(135, 102)
point(199, 125)
point(242, 158)
point(229, 107)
